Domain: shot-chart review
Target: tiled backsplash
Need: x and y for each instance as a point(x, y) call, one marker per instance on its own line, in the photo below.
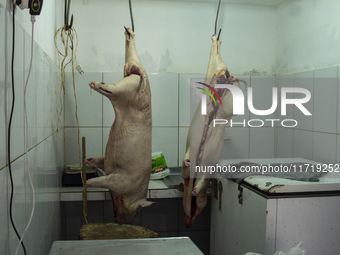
point(46, 150)
point(171, 117)
point(170, 113)
point(315, 137)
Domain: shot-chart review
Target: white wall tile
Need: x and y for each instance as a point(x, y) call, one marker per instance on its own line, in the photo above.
point(50, 102)
point(303, 144)
point(165, 210)
point(93, 143)
point(262, 142)
point(33, 167)
point(164, 99)
point(285, 142)
point(45, 153)
point(74, 217)
point(108, 212)
point(241, 118)
point(106, 132)
point(89, 107)
point(304, 80)
point(3, 206)
point(50, 167)
point(56, 224)
point(338, 103)
point(19, 204)
point(3, 124)
point(42, 159)
point(33, 232)
point(184, 97)
point(285, 81)
point(30, 93)
point(263, 97)
point(40, 88)
point(238, 146)
point(182, 141)
point(166, 140)
point(325, 100)
point(43, 189)
point(17, 129)
point(338, 149)
point(108, 111)
point(57, 86)
point(49, 234)
point(59, 100)
point(324, 148)
point(59, 157)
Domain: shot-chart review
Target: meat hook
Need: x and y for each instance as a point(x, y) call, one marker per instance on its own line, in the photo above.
point(218, 10)
point(67, 15)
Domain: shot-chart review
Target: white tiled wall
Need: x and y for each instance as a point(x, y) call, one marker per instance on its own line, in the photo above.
point(17, 140)
point(305, 80)
point(46, 150)
point(325, 97)
point(171, 118)
point(285, 142)
point(170, 114)
point(262, 97)
point(338, 149)
point(315, 137)
point(3, 94)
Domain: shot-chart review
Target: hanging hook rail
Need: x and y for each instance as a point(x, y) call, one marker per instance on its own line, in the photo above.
point(218, 10)
point(132, 24)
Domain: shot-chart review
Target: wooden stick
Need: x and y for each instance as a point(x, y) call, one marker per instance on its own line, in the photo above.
point(84, 180)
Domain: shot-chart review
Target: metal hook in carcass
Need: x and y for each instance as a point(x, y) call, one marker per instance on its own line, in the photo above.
point(67, 15)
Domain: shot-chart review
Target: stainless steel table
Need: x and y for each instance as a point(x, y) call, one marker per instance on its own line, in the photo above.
point(148, 246)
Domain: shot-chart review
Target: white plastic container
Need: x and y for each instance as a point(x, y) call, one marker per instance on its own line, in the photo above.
point(159, 166)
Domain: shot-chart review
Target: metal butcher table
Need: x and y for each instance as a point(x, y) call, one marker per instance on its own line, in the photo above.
point(147, 246)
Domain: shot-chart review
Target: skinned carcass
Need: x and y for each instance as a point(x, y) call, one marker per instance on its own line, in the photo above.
point(127, 161)
point(205, 142)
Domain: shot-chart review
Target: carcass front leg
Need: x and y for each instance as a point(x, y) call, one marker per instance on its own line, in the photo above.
point(99, 182)
point(125, 86)
point(95, 162)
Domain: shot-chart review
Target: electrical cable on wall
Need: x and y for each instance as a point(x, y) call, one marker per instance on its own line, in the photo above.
point(9, 137)
point(26, 136)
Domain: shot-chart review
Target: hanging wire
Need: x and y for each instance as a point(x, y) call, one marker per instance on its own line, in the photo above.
point(26, 138)
point(218, 10)
point(132, 24)
point(9, 138)
point(67, 37)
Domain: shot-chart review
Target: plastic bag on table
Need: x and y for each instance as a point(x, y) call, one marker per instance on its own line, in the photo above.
point(296, 250)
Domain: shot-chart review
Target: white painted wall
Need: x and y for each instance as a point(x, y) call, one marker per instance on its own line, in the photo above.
point(174, 36)
point(45, 25)
point(308, 35)
point(45, 147)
